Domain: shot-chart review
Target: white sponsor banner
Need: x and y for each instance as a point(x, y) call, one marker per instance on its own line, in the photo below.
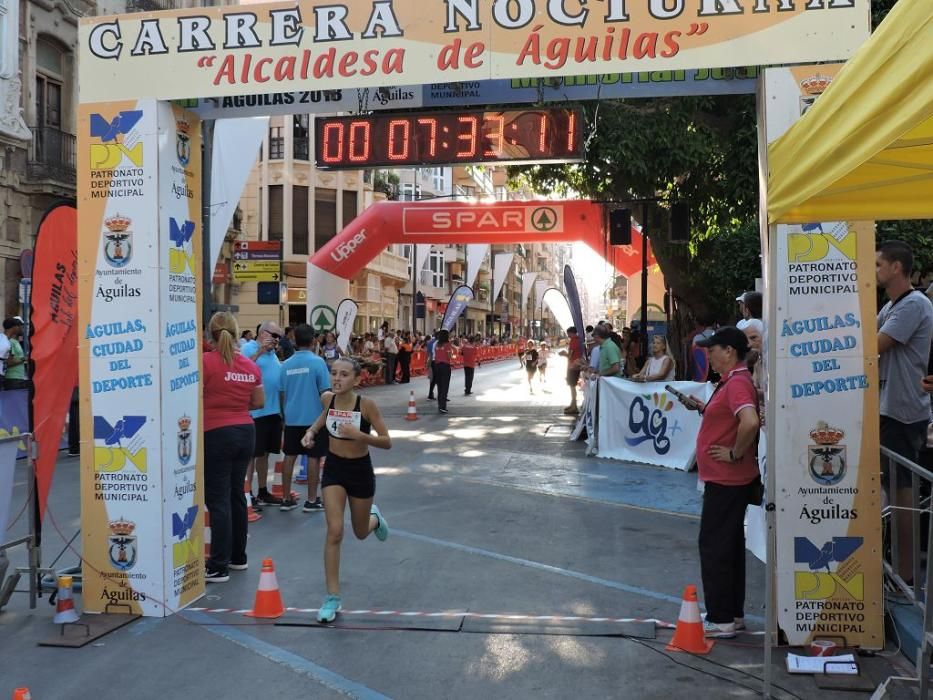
point(528, 280)
point(235, 150)
point(8, 450)
point(179, 322)
point(646, 423)
point(559, 306)
point(475, 254)
point(343, 327)
point(823, 408)
point(540, 288)
point(500, 270)
point(358, 100)
point(121, 475)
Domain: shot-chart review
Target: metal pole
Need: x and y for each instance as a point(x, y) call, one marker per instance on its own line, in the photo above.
point(207, 256)
point(644, 281)
point(414, 288)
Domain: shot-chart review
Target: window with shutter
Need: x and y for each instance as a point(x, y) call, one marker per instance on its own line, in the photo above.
point(299, 220)
point(276, 215)
point(325, 216)
point(349, 206)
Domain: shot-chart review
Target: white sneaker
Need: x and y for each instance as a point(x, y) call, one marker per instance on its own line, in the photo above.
point(725, 630)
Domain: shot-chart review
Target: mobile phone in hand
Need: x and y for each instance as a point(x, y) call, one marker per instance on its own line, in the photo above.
point(686, 400)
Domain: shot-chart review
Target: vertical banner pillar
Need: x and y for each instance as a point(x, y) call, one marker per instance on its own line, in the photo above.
point(139, 349)
point(823, 402)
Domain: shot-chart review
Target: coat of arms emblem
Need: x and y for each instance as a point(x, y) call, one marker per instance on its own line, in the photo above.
point(827, 458)
point(122, 548)
point(118, 240)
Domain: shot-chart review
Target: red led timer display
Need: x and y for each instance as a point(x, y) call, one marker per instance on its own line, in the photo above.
point(448, 138)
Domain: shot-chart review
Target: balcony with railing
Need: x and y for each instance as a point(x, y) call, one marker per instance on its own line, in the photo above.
point(151, 5)
point(51, 155)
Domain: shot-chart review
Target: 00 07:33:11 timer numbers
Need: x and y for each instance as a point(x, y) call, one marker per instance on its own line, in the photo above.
point(447, 138)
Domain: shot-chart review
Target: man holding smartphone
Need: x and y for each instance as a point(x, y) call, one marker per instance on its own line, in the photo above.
point(728, 466)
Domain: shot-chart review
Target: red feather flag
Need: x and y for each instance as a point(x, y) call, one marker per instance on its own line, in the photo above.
point(55, 335)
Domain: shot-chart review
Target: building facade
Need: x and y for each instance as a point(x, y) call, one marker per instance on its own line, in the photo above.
point(38, 111)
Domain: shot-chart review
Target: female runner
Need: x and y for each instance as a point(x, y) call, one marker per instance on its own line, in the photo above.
point(348, 475)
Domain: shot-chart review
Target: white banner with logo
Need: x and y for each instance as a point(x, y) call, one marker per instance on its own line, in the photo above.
point(528, 281)
point(646, 423)
point(235, 150)
point(139, 352)
point(500, 270)
point(179, 321)
point(823, 409)
point(343, 327)
point(8, 450)
point(475, 254)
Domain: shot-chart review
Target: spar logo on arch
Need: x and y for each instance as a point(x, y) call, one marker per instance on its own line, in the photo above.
point(506, 219)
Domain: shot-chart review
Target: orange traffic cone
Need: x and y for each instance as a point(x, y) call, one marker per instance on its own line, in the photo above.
point(65, 603)
point(412, 411)
point(268, 598)
point(251, 515)
point(276, 487)
point(689, 635)
point(21, 694)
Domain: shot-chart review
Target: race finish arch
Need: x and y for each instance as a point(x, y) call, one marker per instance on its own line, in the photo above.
point(438, 221)
point(140, 231)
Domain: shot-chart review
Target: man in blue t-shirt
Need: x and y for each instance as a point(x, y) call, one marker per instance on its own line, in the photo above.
point(304, 378)
point(268, 419)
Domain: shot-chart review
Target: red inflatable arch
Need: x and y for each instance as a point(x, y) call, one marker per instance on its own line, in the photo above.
point(439, 221)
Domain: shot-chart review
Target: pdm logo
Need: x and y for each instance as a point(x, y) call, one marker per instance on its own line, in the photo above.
point(110, 152)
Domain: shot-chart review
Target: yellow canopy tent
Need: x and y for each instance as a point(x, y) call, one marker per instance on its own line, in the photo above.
point(864, 150)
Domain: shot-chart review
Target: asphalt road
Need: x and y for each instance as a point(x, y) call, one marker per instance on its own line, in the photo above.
point(492, 511)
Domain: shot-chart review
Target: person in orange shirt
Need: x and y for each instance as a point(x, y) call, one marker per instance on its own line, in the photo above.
point(405, 348)
point(468, 350)
point(444, 354)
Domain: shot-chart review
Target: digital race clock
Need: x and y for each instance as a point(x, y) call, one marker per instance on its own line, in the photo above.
point(448, 138)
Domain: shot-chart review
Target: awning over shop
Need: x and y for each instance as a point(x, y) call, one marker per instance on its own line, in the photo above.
point(865, 148)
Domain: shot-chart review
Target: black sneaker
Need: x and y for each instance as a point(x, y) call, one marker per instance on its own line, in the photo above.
point(238, 567)
point(264, 498)
point(431, 398)
point(288, 504)
point(216, 576)
point(313, 506)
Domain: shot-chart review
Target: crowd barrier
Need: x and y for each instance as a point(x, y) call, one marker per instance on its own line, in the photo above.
point(640, 422)
point(484, 353)
point(14, 416)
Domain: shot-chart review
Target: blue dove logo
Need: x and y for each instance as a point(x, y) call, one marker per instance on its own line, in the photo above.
point(181, 525)
point(119, 125)
point(837, 550)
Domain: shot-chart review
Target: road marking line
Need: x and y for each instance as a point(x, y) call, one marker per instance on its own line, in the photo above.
point(292, 661)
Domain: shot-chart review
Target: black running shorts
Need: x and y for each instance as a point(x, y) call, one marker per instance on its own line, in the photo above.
point(356, 476)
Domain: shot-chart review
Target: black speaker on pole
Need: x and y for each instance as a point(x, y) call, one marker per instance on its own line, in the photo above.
point(620, 227)
point(680, 221)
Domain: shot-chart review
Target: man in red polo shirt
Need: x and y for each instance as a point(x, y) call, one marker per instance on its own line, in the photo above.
point(728, 466)
point(574, 354)
point(468, 350)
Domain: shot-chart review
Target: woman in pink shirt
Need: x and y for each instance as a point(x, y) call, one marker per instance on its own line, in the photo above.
point(728, 467)
point(232, 388)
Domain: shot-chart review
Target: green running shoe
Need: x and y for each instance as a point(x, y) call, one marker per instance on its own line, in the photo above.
point(382, 529)
point(329, 609)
